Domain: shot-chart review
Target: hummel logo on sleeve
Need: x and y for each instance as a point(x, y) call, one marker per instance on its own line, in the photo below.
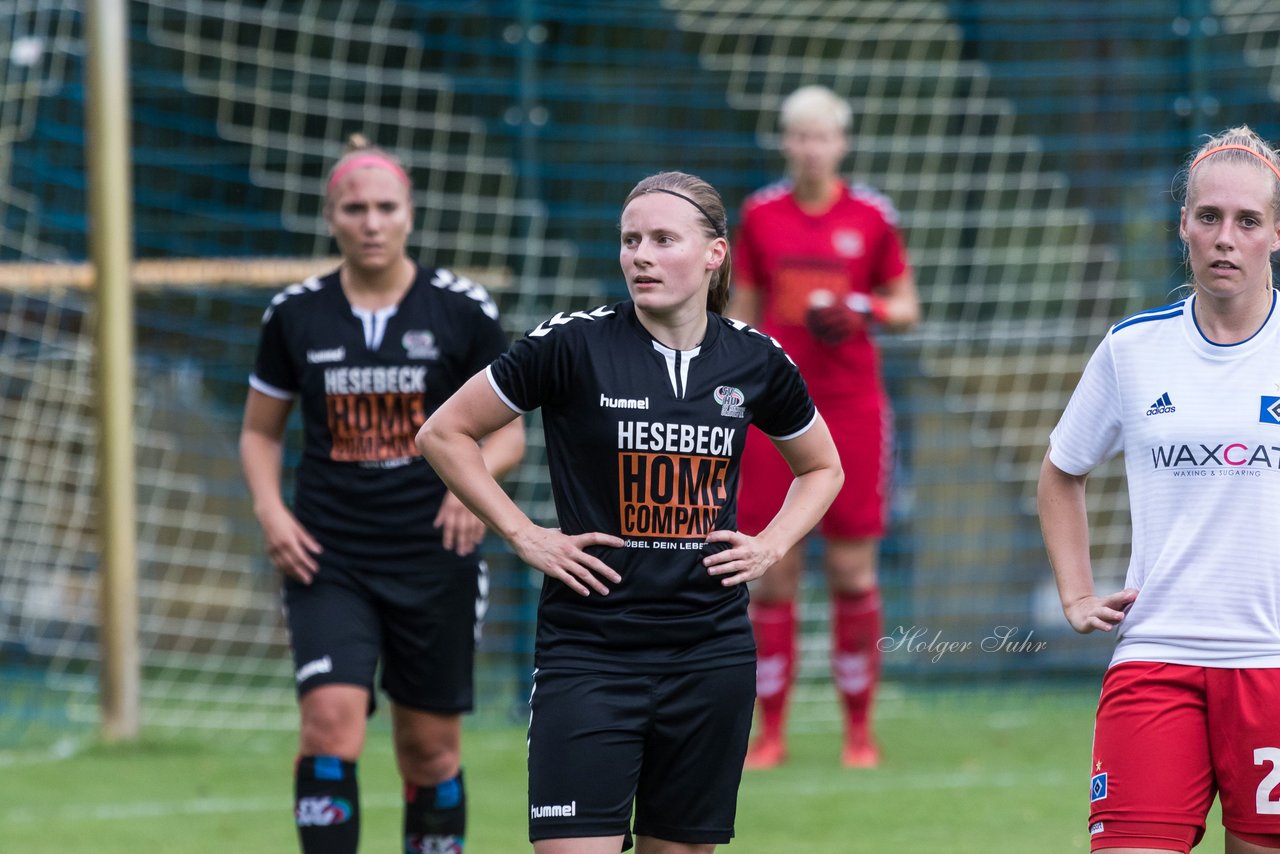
point(1162, 405)
point(450, 281)
point(561, 319)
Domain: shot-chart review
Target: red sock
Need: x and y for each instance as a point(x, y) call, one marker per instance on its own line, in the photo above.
point(856, 628)
point(775, 629)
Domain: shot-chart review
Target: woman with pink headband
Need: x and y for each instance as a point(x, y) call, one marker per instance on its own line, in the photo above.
point(1190, 392)
point(378, 558)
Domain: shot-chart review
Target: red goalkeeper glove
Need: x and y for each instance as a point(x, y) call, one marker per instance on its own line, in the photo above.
point(833, 320)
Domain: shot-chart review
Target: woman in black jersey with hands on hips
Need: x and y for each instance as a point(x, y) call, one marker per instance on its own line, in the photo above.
point(644, 674)
point(378, 558)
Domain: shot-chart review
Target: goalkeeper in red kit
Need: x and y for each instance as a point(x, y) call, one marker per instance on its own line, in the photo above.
point(820, 266)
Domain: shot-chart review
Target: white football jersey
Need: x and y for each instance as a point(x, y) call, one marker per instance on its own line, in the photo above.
point(1199, 425)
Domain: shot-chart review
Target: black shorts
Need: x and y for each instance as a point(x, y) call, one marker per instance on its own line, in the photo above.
point(670, 744)
point(424, 627)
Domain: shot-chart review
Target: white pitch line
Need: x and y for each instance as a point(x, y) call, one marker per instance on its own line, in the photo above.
point(62, 749)
point(881, 780)
point(874, 780)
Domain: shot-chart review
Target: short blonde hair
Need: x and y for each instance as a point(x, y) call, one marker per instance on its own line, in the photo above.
point(814, 103)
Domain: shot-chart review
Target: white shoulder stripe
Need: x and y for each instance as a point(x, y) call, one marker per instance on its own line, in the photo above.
point(878, 200)
point(450, 281)
point(560, 319)
point(748, 329)
point(311, 283)
point(768, 193)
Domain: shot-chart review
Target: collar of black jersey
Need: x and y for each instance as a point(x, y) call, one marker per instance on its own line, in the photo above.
point(627, 311)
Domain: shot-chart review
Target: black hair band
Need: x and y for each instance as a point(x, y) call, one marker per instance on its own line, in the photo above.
point(718, 228)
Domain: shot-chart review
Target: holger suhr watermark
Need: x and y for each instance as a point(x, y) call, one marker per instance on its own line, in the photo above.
point(918, 641)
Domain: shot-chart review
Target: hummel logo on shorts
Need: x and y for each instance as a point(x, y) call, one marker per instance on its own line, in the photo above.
point(554, 810)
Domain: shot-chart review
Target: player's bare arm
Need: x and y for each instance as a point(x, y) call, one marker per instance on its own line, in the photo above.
point(899, 303)
point(1064, 523)
point(450, 441)
point(815, 463)
point(744, 304)
point(461, 530)
point(290, 546)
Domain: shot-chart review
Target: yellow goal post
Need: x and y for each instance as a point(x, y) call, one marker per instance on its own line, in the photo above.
point(201, 272)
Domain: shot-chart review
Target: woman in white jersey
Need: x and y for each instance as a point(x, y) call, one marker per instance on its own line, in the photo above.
point(1190, 392)
point(645, 662)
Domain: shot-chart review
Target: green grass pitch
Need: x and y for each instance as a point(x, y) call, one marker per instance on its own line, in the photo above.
point(986, 771)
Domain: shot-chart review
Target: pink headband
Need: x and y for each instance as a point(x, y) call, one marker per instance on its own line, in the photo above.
point(360, 161)
point(1243, 148)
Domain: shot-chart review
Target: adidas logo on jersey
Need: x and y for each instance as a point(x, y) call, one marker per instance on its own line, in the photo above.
point(1162, 405)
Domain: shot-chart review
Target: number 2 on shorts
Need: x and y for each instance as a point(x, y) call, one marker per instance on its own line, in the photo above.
point(1265, 804)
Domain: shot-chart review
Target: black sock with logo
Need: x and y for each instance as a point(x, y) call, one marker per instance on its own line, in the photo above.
point(435, 817)
point(326, 805)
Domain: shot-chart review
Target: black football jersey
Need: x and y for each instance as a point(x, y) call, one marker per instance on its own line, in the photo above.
point(362, 488)
point(643, 442)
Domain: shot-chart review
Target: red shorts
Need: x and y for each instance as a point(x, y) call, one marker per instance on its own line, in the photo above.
point(863, 433)
point(1167, 738)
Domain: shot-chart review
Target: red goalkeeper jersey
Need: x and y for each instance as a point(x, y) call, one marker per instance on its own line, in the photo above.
point(786, 254)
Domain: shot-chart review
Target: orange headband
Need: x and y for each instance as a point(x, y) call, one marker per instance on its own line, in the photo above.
point(1243, 148)
point(362, 160)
